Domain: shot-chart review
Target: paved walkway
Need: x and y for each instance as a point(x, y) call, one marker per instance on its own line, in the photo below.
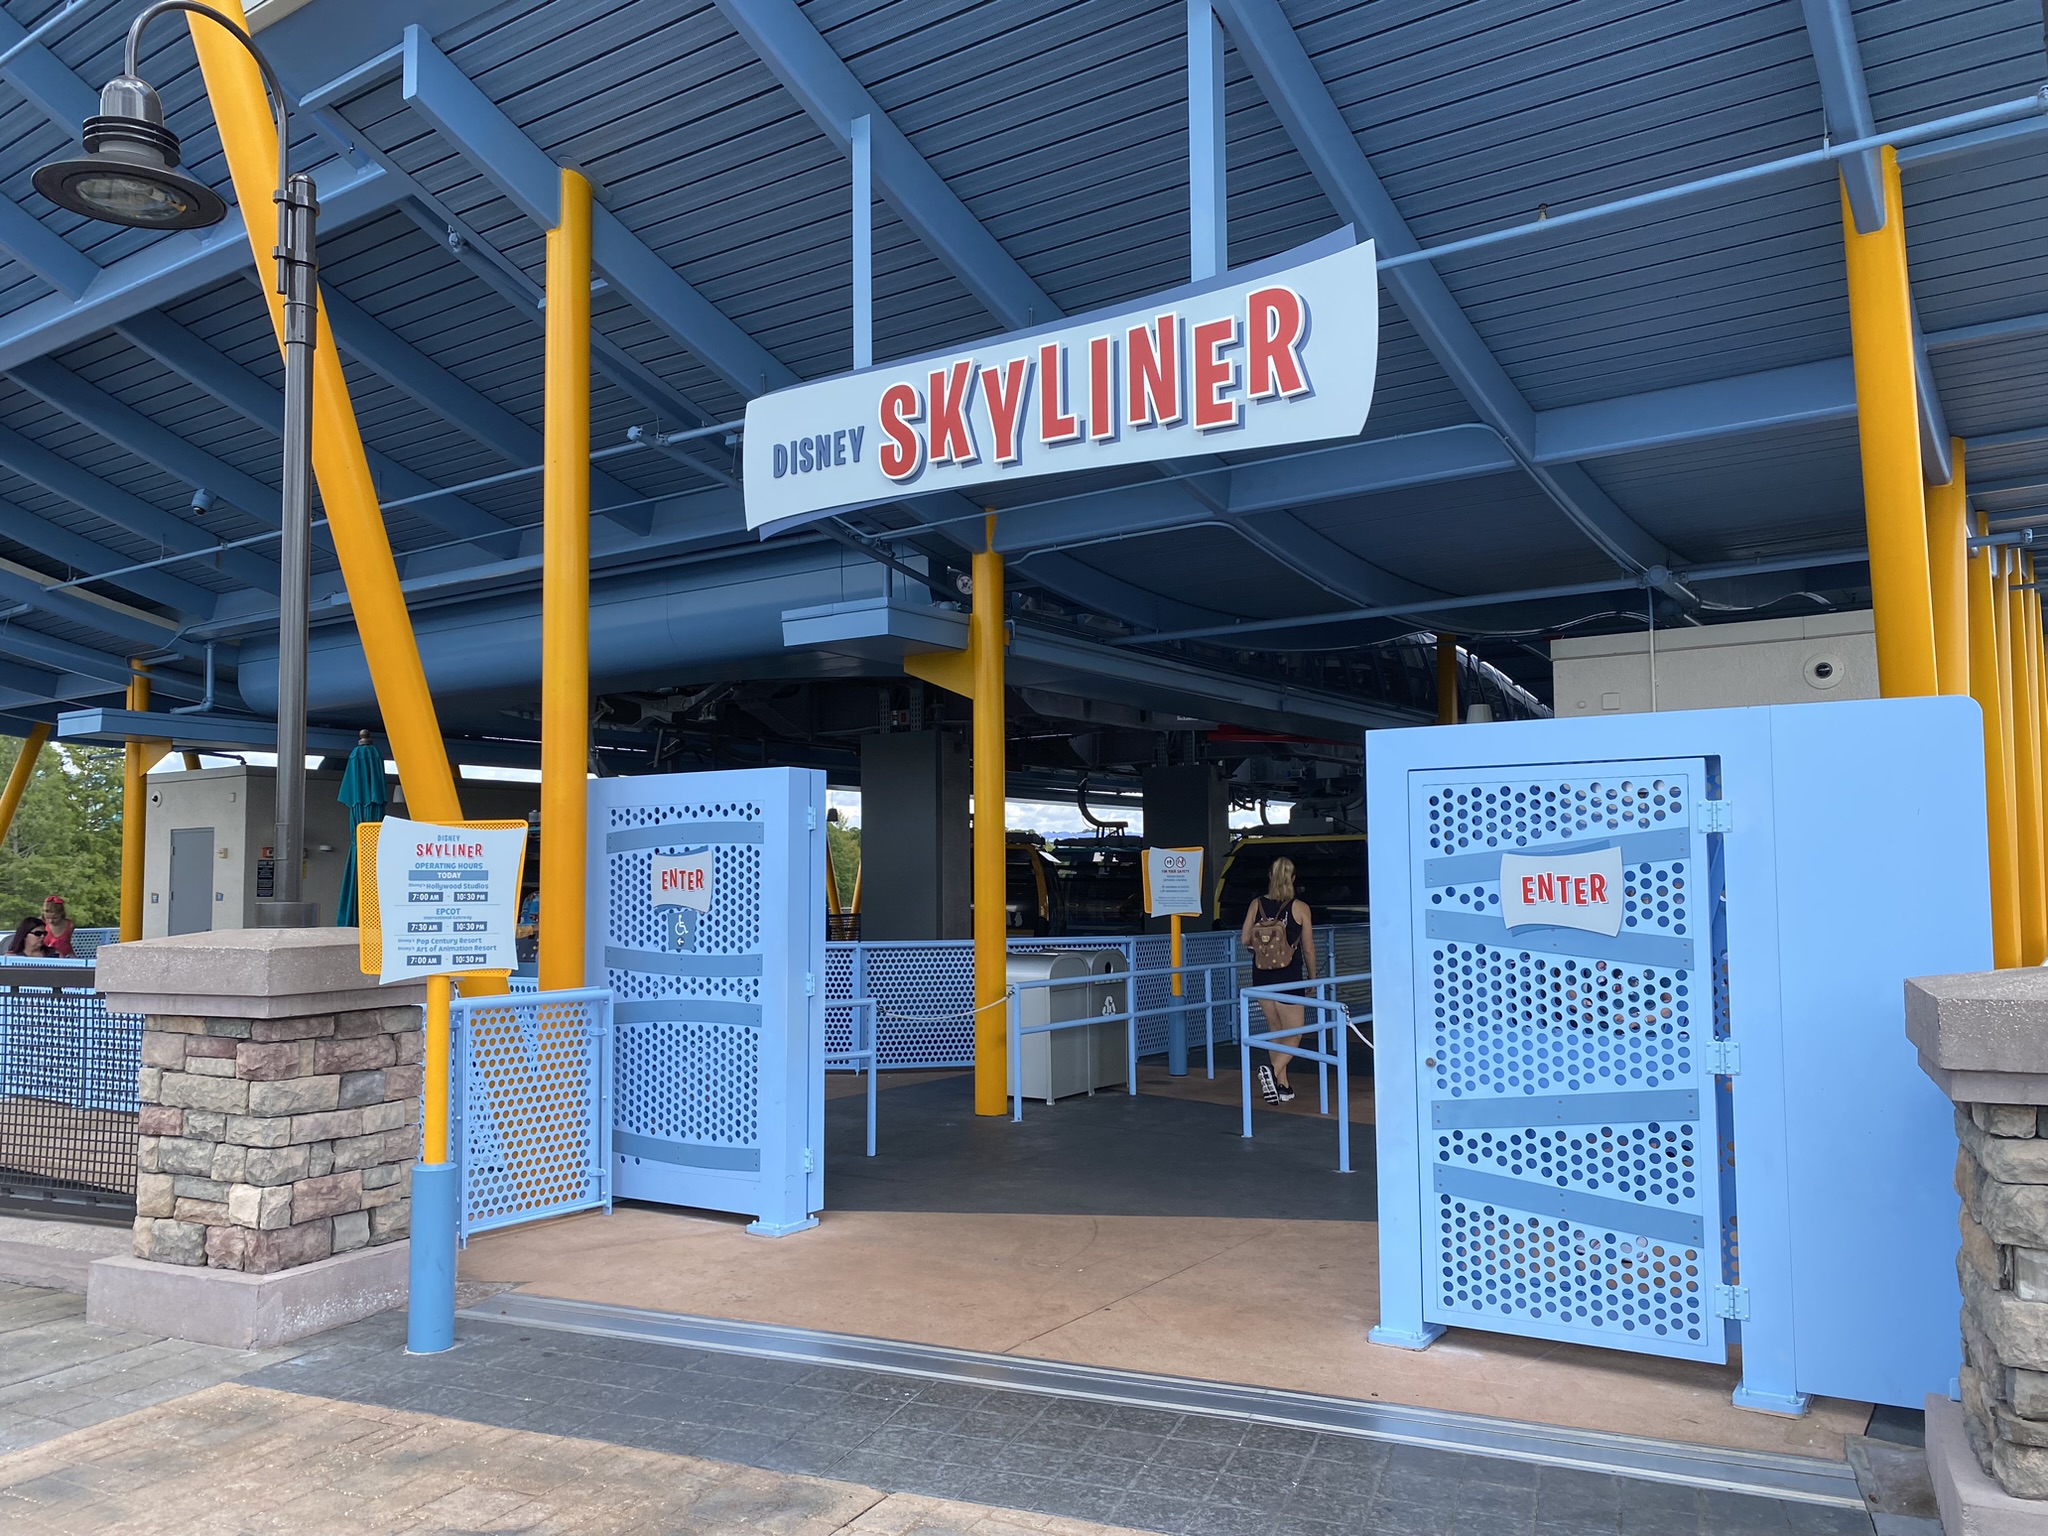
point(521, 1429)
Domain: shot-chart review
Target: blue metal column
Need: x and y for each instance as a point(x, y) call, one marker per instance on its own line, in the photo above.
point(1208, 193)
point(863, 246)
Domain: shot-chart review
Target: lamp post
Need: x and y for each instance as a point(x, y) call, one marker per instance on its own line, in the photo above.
point(129, 175)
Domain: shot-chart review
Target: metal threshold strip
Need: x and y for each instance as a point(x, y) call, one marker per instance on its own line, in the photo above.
point(1807, 1480)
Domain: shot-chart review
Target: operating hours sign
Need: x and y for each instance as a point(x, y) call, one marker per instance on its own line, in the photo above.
point(1275, 354)
point(447, 897)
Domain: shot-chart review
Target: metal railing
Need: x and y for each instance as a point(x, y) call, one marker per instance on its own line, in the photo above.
point(68, 1105)
point(1128, 1016)
point(859, 1055)
point(1334, 1018)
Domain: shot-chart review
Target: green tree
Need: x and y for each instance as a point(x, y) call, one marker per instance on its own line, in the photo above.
point(66, 836)
point(843, 842)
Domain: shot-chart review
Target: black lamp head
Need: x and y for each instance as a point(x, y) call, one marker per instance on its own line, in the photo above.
point(128, 173)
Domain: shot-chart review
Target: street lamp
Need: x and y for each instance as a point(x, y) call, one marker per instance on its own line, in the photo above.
point(129, 175)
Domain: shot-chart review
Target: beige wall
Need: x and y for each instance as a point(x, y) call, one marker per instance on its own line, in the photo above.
point(240, 805)
point(1767, 661)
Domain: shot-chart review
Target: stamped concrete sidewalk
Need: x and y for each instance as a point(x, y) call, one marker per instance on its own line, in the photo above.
point(235, 1459)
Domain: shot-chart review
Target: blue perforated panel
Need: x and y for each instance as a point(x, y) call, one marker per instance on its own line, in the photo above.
point(531, 1106)
point(1573, 1129)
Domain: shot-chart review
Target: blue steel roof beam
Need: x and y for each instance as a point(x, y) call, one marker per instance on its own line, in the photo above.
point(474, 124)
point(86, 557)
point(69, 656)
point(80, 486)
point(1831, 33)
point(128, 428)
point(177, 267)
point(129, 626)
point(501, 273)
point(1296, 92)
point(784, 40)
point(47, 81)
point(242, 391)
point(45, 252)
point(377, 347)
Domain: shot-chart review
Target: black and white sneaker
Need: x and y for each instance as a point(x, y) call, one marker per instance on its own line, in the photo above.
point(1286, 1094)
point(1268, 1089)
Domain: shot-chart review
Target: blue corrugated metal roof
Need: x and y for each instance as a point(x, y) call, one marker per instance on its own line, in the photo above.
point(1060, 126)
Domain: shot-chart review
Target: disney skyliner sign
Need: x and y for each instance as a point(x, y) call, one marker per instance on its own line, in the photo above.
point(1263, 359)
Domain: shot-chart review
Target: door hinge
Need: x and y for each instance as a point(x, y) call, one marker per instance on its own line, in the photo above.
point(1715, 815)
point(810, 984)
point(811, 817)
point(1732, 1301)
point(810, 1167)
point(1724, 1058)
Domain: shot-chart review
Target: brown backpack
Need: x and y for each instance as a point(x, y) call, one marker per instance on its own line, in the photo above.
point(1271, 948)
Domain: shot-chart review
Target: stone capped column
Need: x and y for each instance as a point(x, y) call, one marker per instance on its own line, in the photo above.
point(1984, 1038)
point(280, 1119)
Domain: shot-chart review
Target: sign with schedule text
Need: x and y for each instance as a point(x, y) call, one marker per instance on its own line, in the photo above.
point(447, 897)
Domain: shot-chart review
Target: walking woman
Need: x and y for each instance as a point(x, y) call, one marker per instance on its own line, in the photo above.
point(1281, 934)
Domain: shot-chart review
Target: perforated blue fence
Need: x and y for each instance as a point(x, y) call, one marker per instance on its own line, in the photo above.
point(1574, 1134)
point(531, 1105)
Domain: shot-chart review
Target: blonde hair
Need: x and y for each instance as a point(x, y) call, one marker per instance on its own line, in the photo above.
point(1280, 879)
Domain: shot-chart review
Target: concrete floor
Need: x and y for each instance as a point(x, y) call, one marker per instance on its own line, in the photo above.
point(1265, 1301)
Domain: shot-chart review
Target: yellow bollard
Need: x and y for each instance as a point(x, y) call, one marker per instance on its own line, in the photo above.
point(991, 785)
point(2026, 774)
point(17, 778)
point(1888, 431)
point(565, 595)
point(1998, 790)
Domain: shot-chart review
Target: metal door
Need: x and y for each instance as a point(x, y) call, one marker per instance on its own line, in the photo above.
point(707, 922)
point(1571, 1129)
point(191, 879)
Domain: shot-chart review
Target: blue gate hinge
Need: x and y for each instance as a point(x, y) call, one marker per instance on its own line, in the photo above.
point(809, 1165)
point(811, 817)
point(1724, 1058)
point(810, 984)
point(1732, 1302)
point(1715, 815)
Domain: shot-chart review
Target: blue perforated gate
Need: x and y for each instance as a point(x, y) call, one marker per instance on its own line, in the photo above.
point(705, 890)
point(1572, 1134)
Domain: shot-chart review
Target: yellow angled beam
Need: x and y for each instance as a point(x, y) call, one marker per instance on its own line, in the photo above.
point(565, 595)
point(1998, 792)
point(2036, 790)
point(991, 853)
point(1888, 431)
point(17, 778)
point(248, 135)
point(950, 670)
point(1948, 558)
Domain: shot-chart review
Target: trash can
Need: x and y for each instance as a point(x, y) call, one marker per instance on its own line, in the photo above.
point(1087, 1057)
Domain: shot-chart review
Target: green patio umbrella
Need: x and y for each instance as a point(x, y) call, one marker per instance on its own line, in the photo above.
point(363, 792)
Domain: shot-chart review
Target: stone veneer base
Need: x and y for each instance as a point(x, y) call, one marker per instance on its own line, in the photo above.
point(241, 1310)
point(1971, 1503)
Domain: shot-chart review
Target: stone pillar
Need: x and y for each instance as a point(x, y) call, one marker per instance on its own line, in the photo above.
point(280, 1092)
point(1984, 1039)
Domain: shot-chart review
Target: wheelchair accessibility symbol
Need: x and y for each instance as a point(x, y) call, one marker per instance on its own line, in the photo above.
point(680, 885)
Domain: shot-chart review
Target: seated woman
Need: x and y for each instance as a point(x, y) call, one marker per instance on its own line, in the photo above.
point(30, 938)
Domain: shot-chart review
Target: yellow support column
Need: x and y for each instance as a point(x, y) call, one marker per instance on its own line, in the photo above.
point(991, 920)
point(1446, 679)
point(1948, 561)
point(1888, 429)
point(348, 495)
point(134, 811)
point(2003, 847)
point(17, 778)
point(2036, 789)
point(565, 594)
point(2026, 774)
